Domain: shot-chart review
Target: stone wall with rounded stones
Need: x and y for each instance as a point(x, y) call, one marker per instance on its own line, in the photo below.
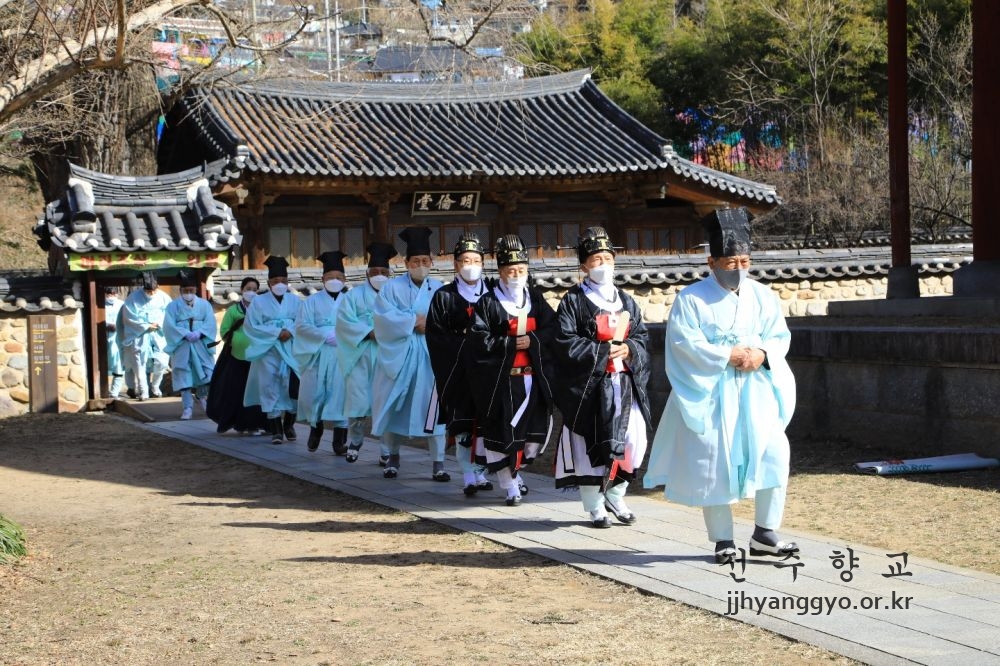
point(14, 381)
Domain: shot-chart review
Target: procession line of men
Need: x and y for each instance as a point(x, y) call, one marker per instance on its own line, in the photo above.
point(485, 363)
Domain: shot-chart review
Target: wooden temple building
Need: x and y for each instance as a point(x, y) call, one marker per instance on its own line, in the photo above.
point(329, 165)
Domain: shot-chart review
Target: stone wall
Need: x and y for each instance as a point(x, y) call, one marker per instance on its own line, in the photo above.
point(14, 376)
point(799, 298)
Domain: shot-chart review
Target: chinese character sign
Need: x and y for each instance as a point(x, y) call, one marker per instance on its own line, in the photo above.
point(445, 203)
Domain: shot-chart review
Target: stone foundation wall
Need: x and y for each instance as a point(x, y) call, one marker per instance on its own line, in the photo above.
point(14, 377)
point(799, 298)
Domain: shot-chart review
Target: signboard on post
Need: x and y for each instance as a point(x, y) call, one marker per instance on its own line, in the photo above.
point(146, 261)
point(43, 363)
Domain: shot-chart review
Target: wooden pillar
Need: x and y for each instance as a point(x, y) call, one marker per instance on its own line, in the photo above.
point(903, 279)
point(93, 335)
point(508, 202)
point(985, 135)
point(382, 202)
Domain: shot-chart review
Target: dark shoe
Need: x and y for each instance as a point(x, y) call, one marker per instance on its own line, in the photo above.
point(274, 427)
point(725, 552)
point(624, 515)
point(520, 485)
point(486, 485)
point(470, 490)
point(780, 549)
point(439, 473)
point(289, 426)
point(383, 461)
point(339, 441)
point(222, 429)
point(352, 454)
point(314, 436)
point(600, 522)
point(514, 501)
point(390, 473)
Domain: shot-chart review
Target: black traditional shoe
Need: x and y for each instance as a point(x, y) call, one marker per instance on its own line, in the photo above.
point(622, 513)
point(470, 490)
point(390, 472)
point(274, 426)
point(352, 454)
point(314, 436)
point(514, 501)
point(339, 441)
point(780, 549)
point(441, 476)
point(289, 426)
point(486, 485)
point(383, 461)
point(600, 520)
point(725, 552)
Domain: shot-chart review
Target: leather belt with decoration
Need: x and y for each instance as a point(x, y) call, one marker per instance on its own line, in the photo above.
point(525, 370)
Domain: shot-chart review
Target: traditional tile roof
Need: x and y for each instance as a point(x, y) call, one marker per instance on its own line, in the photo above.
point(37, 291)
point(551, 127)
point(661, 270)
point(110, 213)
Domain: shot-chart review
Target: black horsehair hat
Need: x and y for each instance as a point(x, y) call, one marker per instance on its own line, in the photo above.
point(592, 241)
point(468, 242)
point(276, 267)
point(510, 249)
point(379, 254)
point(187, 277)
point(728, 232)
point(332, 261)
point(149, 282)
point(418, 241)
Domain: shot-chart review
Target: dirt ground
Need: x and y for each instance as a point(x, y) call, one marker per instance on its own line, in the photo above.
point(148, 550)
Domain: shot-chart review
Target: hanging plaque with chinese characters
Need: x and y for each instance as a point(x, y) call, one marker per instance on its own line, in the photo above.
point(445, 203)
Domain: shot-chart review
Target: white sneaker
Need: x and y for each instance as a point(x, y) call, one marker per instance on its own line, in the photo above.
point(186, 414)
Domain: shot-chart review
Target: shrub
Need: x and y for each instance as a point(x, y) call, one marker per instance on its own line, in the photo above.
point(12, 542)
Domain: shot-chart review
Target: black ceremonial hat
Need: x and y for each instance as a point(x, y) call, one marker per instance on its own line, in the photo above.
point(592, 241)
point(728, 232)
point(417, 239)
point(468, 242)
point(149, 282)
point(187, 277)
point(332, 261)
point(509, 250)
point(379, 254)
point(276, 267)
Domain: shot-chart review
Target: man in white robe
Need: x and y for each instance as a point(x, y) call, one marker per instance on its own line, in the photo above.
point(356, 349)
point(116, 365)
point(321, 392)
point(404, 399)
point(722, 435)
point(189, 327)
point(269, 326)
point(140, 333)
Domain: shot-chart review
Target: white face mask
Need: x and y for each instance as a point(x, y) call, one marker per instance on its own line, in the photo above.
point(188, 298)
point(516, 284)
point(419, 273)
point(249, 295)
point(378, 281)
point(603, 274)
point(279, 289)
point(334, 286)
point(471, 272)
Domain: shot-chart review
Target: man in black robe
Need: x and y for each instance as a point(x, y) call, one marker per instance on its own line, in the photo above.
point(603, 369)
point(509, 361)
point(448, 322)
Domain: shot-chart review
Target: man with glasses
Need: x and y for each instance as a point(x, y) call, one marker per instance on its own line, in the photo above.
point(722, 435)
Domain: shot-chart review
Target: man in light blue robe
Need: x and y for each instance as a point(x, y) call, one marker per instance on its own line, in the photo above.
point(140, 334)
point(356, 348)
point(722, 434)
point(116, 365)
point(321, 394)
point(269, 327)
point(404, 397)
point(189, 327)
